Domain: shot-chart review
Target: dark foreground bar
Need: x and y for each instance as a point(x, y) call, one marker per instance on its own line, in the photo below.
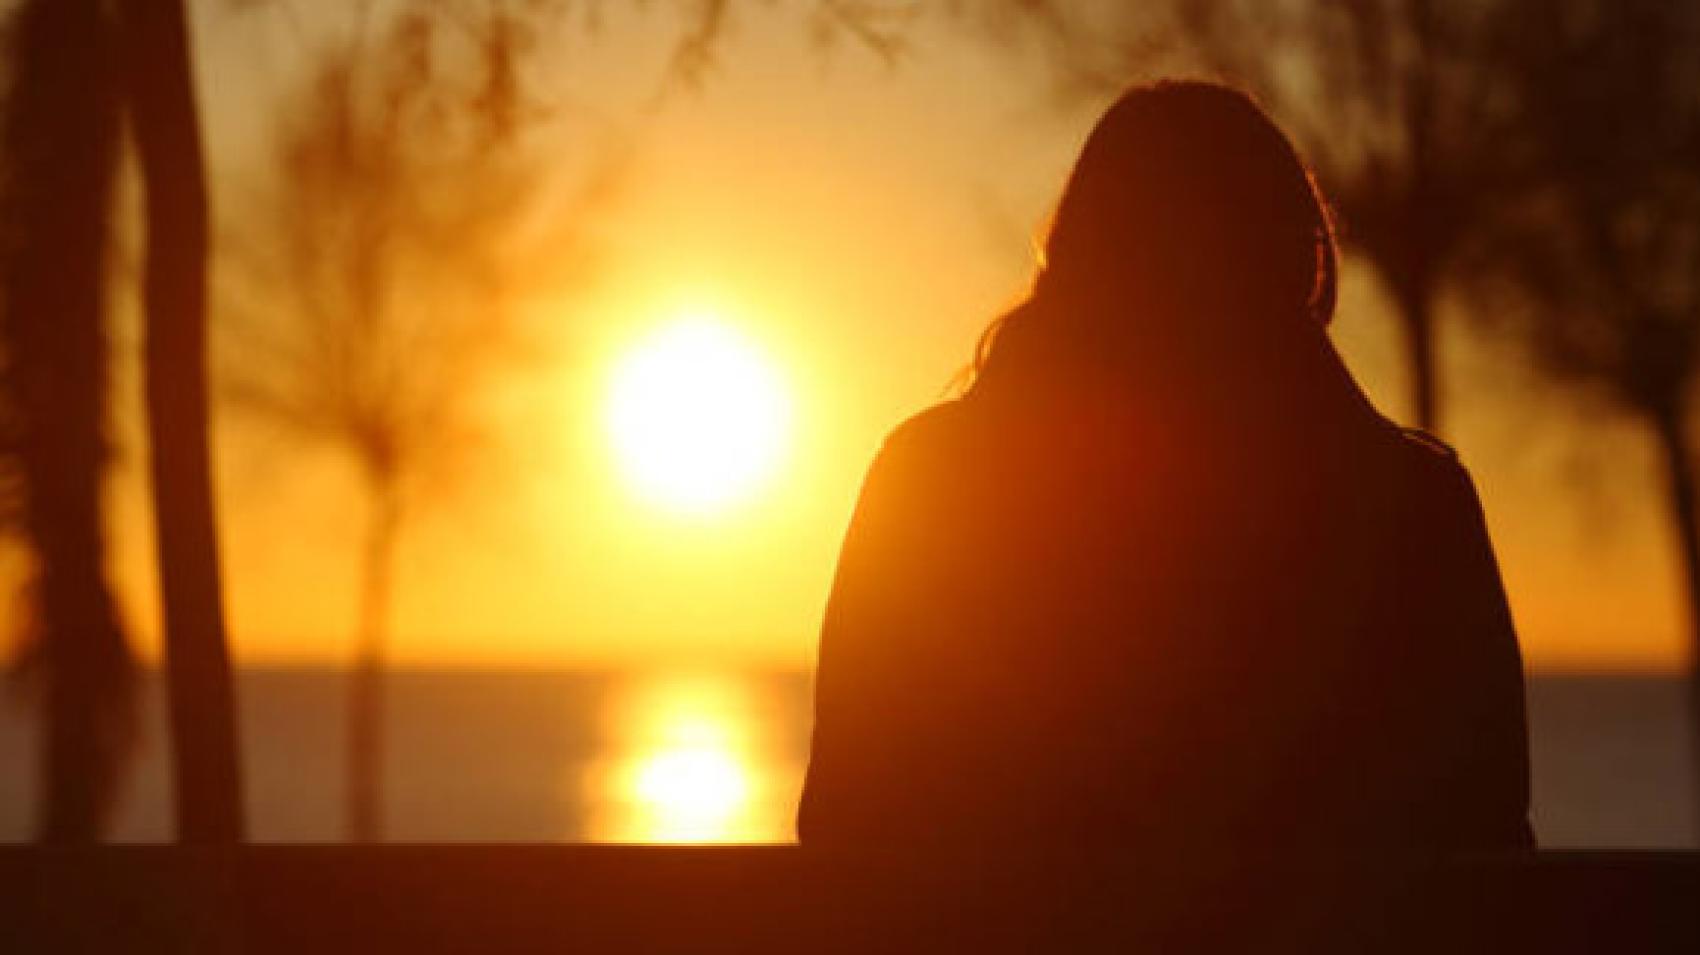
point(406, 899)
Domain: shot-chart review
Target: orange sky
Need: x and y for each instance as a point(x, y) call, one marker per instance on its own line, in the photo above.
point(859, 224)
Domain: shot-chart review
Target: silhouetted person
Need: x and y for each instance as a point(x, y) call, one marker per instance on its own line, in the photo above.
point(1163, 576)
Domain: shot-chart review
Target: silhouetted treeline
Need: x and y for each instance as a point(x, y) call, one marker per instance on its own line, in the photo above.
point(76, 67)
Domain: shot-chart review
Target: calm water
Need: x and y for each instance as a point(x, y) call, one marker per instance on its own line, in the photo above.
point(718, 756)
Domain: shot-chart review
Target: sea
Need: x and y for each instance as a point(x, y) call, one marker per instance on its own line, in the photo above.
point(712, 755)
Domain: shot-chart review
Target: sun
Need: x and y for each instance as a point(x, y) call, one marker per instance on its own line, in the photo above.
point(697, 416)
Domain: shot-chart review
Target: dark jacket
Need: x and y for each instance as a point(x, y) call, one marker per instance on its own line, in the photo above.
point(1069, 625)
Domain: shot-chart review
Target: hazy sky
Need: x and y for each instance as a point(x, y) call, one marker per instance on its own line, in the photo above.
point(857, 223)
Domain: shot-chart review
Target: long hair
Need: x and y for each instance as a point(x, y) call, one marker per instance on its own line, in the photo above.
point(1189, 231)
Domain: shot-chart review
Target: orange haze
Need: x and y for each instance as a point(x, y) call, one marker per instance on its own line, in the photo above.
point(859, 224)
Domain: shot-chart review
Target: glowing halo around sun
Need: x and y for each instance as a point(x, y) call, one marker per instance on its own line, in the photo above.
point(697, 416)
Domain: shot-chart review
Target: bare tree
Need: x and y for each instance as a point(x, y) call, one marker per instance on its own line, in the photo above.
point(376, 276)
point(59, 143)
point(1595, 261)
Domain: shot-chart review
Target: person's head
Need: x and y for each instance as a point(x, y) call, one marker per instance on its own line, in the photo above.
point(1189, 225)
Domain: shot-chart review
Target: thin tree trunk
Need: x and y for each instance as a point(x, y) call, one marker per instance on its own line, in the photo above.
point(59, 139)
point(1422, 237)
point(202, 697)
point(366, 687)
point(1685, 513)
point(1414, 303)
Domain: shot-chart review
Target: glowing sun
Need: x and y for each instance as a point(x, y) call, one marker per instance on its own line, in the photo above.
point(697, 416)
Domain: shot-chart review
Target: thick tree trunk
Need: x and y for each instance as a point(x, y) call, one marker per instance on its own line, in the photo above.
point(1685, 513)
point(59, 140)
point(202, 697)
point(366, 686)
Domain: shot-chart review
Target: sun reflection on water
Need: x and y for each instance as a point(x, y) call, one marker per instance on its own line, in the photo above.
point(688, 764)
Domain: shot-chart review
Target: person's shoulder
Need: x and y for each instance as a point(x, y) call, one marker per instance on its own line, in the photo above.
point(929, 427)
point(1420, 453)
point(917, 457)
point(927, 447)
point(1424, 445)
point(1433, 468)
